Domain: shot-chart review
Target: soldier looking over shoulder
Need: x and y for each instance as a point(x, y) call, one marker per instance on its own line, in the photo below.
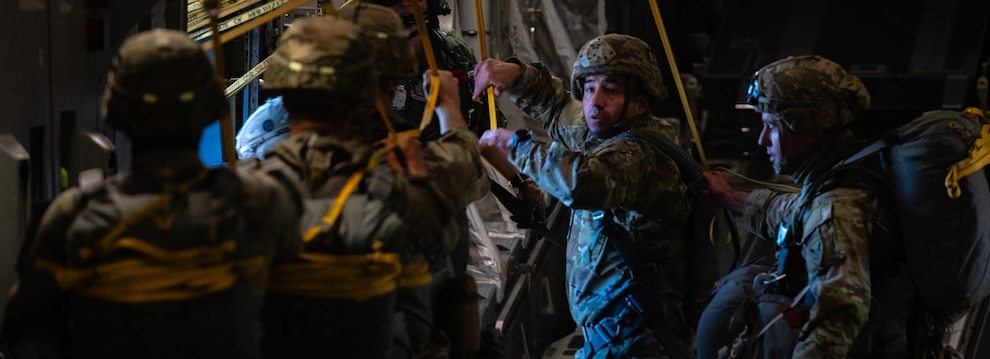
point(630, 205)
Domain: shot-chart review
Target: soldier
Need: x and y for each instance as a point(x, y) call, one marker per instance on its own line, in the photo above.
point(452, 53)
point(450, 158)
point(630, 205)
point(166, 259)
point(825, 235)
point(367, 219)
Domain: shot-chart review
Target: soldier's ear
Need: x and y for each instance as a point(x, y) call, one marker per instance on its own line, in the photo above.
point(639, 103)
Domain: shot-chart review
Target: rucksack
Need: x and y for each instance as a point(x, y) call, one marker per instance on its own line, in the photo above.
point(935, 166)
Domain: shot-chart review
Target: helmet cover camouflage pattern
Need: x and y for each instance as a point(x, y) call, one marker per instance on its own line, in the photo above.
point(162, 88)
point(387, 38)
point(617, 54)
point(321, 53)
point(809, 93)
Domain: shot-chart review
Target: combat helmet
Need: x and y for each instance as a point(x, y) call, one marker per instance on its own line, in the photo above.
point(262, 130)
point(162, 89)
point(434, 9)
point(808, 93)
point(321, 56)
point(386, 37)
point(619, 55)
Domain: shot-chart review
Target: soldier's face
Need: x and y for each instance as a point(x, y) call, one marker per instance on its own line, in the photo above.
point(786, 148)
point(404, 8)
point(604, 96)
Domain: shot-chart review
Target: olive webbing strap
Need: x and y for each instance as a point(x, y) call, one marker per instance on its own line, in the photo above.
point(650, 294)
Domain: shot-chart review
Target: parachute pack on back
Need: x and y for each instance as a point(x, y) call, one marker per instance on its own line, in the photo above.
point(936, 168)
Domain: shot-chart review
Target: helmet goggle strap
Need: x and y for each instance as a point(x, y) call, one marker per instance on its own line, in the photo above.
point(761, 103)
point(629, 82)
point(753, 96)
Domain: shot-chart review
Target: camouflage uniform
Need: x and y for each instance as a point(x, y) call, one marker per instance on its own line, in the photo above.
point(385, 224)
point(836, 232)
point(452, 158)
point(164, 260)
point(617, 181)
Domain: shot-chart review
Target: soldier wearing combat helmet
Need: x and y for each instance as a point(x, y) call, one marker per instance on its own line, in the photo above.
point(810, 96)
point(369, 206)
point(839, 240)
point(398, 35)
point(629, 202)
point(455, 167)
point(167, 258)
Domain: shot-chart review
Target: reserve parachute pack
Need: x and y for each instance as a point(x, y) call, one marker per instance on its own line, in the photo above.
point(936, 168)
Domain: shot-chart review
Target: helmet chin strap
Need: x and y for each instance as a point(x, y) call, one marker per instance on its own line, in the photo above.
point(623, 121)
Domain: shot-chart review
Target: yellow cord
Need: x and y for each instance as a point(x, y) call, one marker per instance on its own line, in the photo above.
point(431, 60)
point(226, 122)
point(380, 105)
point(677, 80)
point(482, 35)
point(250, 25)
point(331, 11)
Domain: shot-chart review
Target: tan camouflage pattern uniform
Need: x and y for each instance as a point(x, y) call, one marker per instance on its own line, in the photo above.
point(811, 95)
point(633, 180)
point(837, 228)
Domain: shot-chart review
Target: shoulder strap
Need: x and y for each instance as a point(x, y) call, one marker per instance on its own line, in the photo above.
point(690, 174)
point(689, 167)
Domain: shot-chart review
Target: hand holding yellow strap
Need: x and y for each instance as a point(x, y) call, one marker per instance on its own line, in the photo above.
point(482, 43)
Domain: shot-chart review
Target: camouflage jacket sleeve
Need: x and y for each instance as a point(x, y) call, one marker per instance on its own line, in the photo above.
point(766, 209)
point(612, 175)
point(545, 98)
point(455, 167)
point(836, 253)
point(36, 316)
point(422, 207)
